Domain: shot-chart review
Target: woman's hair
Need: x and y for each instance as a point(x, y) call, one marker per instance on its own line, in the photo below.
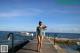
point(40, 23)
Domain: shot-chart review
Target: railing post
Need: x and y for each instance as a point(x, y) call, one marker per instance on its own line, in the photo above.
point(55, 35)
point(12, 43)
point(11, 37)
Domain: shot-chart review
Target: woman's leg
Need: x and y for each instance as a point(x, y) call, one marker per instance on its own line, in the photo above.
point(41, 40)
point(38, 44)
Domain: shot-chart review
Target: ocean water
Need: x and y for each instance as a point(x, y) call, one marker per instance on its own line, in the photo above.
point(17, 36)
point(64, 35)
point(20, 38)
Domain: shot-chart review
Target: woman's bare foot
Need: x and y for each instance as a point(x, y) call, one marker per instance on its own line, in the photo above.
point(38, 50)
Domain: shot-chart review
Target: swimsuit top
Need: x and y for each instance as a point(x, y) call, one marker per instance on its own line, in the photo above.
point(39, 31)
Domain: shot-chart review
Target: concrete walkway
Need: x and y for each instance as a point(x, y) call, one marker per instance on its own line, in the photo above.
point(31, 47)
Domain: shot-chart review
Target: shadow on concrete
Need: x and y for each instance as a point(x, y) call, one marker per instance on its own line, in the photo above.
point(17, 47)
point(30, 49)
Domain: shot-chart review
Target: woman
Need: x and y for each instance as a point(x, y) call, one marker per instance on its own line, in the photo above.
point(40, 35)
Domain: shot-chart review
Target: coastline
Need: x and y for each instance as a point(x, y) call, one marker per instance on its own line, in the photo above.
point(62, 48)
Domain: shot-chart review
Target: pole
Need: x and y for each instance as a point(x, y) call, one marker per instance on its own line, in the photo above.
point(12, 43)
point(54, 40)
point(55, 35)
point(11, 37)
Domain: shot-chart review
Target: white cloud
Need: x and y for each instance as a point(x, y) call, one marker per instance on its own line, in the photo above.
point(23, 12)
point(65, 28)
point(64, 11)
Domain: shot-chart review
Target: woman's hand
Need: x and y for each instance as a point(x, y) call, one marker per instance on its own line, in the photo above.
point(44, 26)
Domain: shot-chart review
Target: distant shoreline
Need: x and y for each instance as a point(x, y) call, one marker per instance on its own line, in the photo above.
point(65, 39)
point(35, 31)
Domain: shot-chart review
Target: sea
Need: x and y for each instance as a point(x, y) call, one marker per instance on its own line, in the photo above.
point(21, 38)
point(64, 35)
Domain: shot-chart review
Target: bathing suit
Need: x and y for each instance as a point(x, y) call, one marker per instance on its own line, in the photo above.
point(40, 31)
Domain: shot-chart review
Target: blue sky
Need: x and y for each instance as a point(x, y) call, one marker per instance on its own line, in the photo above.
point(23, 15)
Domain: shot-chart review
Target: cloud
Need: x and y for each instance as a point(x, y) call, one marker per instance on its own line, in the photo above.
point(65, 28)
point(64, 11)
point(22, 12)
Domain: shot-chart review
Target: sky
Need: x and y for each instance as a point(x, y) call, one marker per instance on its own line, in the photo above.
point(24, 15)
